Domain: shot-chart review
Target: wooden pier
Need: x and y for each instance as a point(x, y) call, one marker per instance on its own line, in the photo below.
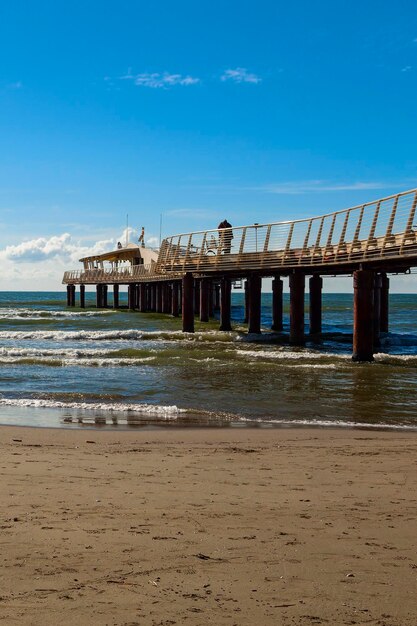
point(192, 273)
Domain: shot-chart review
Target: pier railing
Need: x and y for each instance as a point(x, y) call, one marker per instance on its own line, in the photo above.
point(383, 229)
point(122, 275)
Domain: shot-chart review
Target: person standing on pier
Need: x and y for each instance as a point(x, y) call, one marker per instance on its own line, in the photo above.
point(225, 236)
point(141, 239)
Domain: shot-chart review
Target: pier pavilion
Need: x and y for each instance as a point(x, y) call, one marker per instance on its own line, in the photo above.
point(192, 273)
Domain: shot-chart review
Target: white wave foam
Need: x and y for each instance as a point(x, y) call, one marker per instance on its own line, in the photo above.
point(28, 314)
point(169, 412)
point(382, 357)
point(329, 423)
point(286, 355)
point(76, 362)
point(112, 335)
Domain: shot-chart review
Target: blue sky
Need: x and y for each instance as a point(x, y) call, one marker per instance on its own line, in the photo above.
point(199, 111)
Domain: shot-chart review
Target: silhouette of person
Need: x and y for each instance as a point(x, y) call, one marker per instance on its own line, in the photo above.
point(226, 236)
point(142, 237)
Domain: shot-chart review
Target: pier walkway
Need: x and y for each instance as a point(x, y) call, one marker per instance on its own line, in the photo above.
point(192, 272)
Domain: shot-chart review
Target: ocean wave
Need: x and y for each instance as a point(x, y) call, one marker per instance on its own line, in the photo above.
point(323, 423)
point(292, 355)
point(28, 314)
point(396, 359)
point(116, 335)
point(169, 412)
point(75, 362)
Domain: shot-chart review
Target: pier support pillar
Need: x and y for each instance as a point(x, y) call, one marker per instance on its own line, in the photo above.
point(211, 299)
point(225, 304)
point(376, 317)
point(197, 297)
point(204, 299)
point(104, 296)
point(70, 295)
point(143, 300)
point(363, 304)
point(131, 297)
point(384, 318)
point(82, 296)
point(167, 298)
point(255, 297)
point(115, 296)
point(99, 296)
point(277, 286)
point(216, 297)
point(159, 297)
point(175, 292)
point(297, 288)
point(246, 303)
point(153, 297)
point(188, 303)
point(316, 286)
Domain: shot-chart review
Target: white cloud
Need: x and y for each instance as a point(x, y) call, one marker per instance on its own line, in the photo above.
point(158, 80)
point(40, 263)
point(308, 186)
point(240, 75)
point(59, 247)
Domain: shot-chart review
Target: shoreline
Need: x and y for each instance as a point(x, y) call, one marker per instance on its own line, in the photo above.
point(222, 525)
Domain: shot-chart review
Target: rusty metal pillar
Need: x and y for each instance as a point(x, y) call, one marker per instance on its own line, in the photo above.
point(297, 288)
point(180, 297)
point(316, 286)
point(216, 297)
point(204, 299)
point(143, 299)
point(115, 296)
point(153, 297)
point(159, 297)
point(188, 303)
point(82, 296)
point(255, 298)
point(277, 287)
point(376, 317)
point(384, 318)
point(72, 295)
point(225, 303)
point(175, 299)
point(197, 297)
point(69, 295)
point(131, 297)
point(98, 296)
point(246, 303)
point(363, 302)
point(211, 299)
point(167, 298)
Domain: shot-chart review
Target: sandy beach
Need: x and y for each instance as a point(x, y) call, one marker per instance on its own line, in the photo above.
point(221, 526)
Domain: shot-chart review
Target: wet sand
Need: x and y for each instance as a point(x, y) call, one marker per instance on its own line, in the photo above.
point(289, 527)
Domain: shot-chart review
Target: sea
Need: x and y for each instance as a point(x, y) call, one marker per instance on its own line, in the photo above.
point(90, 368)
